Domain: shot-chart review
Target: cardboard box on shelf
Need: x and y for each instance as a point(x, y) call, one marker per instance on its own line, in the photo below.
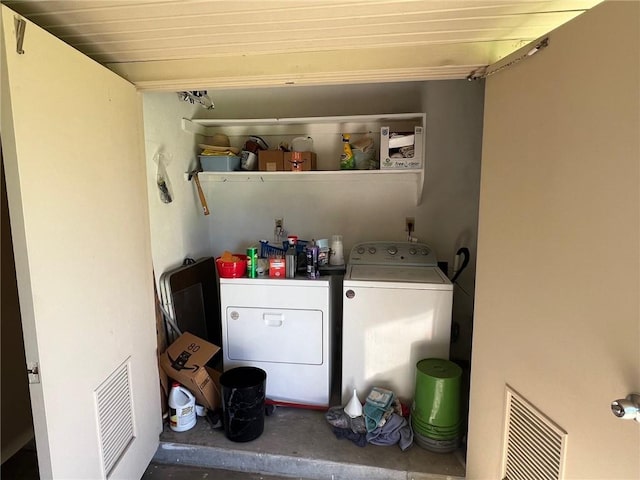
point(393, 144)
point(270, 160)
point(300, 161)
point(185, 361)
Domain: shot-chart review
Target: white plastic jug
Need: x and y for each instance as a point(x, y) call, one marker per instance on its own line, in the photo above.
point(302, 144)
point(182, 408)
point(337, 252)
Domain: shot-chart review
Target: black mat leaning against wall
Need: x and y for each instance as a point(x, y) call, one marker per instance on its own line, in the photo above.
point(189, 296)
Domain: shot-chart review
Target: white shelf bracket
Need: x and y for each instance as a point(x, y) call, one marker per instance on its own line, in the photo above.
point(190, 127)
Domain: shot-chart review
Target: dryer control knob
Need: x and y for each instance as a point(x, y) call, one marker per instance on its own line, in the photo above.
point(412, 251)
point(360, 250)
point(372, 250)
point(392, 250)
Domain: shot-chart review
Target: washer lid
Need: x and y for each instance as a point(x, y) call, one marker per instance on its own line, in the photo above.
point(383, 273)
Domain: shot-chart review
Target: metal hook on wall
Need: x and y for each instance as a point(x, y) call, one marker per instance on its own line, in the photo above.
point(20, 25)
point(198, 96)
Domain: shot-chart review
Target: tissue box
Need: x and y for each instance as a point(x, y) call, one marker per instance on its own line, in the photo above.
point(391, 144)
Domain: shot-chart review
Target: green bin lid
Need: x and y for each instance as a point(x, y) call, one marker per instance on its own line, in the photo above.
point(439, 368)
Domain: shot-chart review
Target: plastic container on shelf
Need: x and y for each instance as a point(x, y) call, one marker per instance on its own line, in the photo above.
point(219, 163)
point(302, 144)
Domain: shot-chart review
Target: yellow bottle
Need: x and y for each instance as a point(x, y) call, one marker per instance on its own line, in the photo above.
point(346, 159)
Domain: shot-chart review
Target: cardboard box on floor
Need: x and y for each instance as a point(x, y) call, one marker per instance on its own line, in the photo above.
point(185, 361)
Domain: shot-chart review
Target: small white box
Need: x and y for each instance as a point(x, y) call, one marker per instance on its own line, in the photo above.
point(390, 145)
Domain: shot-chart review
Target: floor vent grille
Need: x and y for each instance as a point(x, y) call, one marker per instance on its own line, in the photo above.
point(115, 416)
point(534, 446)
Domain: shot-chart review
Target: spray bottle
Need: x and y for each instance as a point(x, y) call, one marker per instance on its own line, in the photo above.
point(347, 161)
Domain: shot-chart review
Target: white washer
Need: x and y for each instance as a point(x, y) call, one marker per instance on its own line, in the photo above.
point(282, 326)
point(397, 308)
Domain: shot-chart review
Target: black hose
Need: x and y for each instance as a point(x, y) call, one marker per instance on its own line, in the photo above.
point(464, 251)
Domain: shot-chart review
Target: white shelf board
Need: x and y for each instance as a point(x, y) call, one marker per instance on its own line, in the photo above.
point(215, 122)
point(313, 126)
point(314, 175)
point(415, 177)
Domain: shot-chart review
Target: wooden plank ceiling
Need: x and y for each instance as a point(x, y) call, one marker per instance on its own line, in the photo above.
point(189, 44)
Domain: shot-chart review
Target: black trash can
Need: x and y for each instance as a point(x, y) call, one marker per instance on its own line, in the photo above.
point(243, 394)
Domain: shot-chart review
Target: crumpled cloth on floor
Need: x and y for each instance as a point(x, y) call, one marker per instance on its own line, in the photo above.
point(337, 418)
point(395, 430)
point(360, 439)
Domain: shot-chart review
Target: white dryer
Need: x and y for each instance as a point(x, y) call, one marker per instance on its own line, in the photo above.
point(397, 308)
point(282, 326)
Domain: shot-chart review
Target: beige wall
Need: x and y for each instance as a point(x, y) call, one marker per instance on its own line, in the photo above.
point(557, 311)
point(243, 213)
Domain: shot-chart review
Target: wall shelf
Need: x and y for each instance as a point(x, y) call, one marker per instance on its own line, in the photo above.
point(321, 129)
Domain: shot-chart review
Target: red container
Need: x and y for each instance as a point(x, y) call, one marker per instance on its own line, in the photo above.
point(277, 267)
point(232, 269)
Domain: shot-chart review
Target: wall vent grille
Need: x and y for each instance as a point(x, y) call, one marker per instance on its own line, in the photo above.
point(115, 416)
point(534, 446)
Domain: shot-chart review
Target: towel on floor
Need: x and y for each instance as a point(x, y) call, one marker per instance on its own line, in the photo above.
point(395, 430)
point(377, 407)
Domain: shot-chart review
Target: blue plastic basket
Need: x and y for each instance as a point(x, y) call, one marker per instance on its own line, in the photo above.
point(267, 250)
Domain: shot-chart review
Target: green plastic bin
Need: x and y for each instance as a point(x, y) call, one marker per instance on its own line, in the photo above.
point(437, 398)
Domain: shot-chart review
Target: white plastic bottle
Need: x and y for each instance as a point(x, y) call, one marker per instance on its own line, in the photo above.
point(337, 253)
point(182, 408)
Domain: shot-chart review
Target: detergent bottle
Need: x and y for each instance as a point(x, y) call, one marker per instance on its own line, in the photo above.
point(182, 408)
point(347, 161)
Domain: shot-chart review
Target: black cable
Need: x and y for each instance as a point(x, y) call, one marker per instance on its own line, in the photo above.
point(465, 262)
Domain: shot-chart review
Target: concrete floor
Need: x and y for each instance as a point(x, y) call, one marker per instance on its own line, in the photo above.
point(183, 472)
point(296, 444)
point(299, 443)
